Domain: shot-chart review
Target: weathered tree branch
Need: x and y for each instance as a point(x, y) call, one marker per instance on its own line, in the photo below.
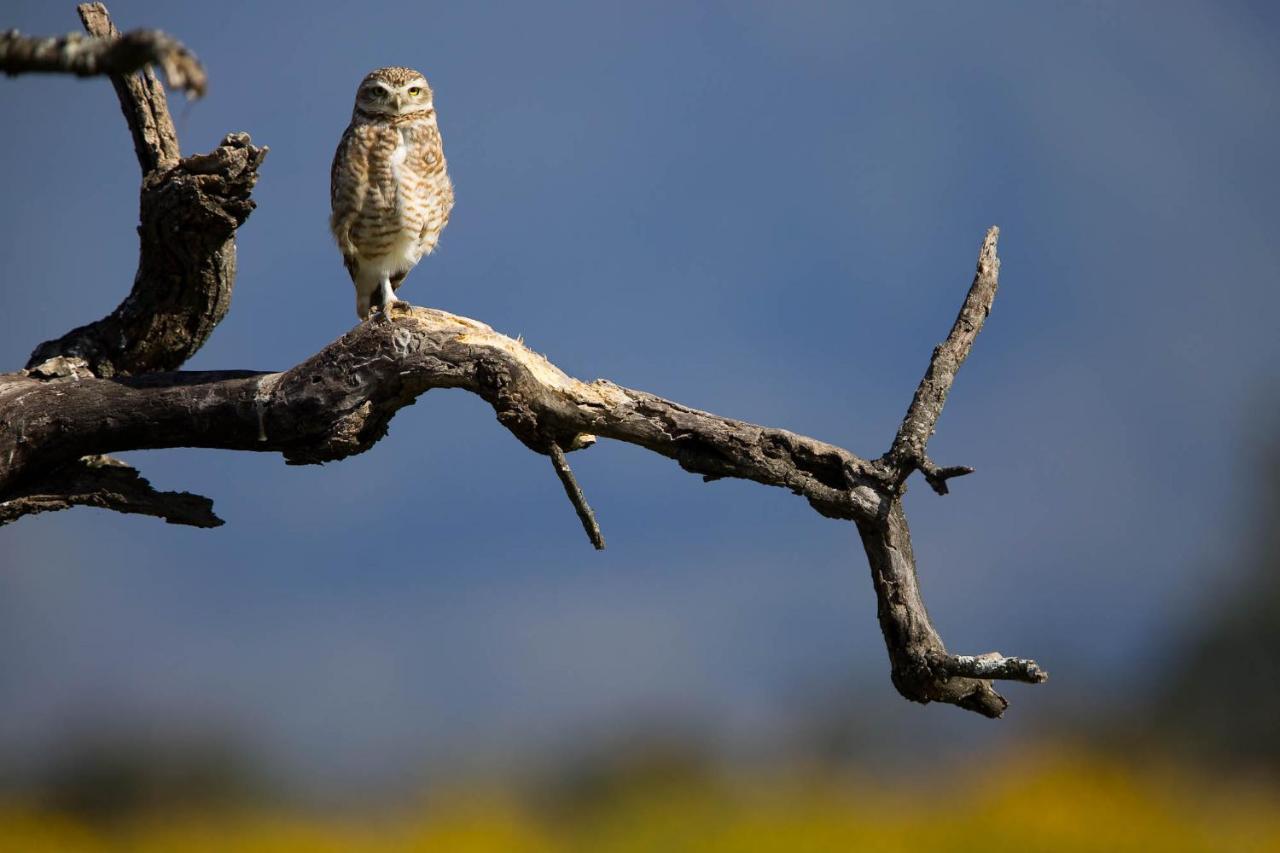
point(910, 446)
point(340, 401)
point(991, 665)
point(923, 670)
point(98, 390)
point(574, 493)
point(186, 266)
point(92, 56)
point(190, 210)
point(155, 140)
point(101, 481)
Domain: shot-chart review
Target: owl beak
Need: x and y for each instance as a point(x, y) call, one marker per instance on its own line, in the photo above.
point(398, 101)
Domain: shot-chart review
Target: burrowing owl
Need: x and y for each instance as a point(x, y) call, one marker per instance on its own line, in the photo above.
point(389, 190)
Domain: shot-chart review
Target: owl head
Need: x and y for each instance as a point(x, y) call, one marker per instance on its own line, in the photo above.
point(393, 91)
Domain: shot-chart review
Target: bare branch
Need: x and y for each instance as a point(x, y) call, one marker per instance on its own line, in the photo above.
point(574, 491)
point(107, 483)
point(190, 209)
point(913, 643)
point(991, 665)
point(339, 403)
point(91, 56)
point(97, 390)
point(937, 477)
point(186, 266)
point(155, 140)
point(910, 445)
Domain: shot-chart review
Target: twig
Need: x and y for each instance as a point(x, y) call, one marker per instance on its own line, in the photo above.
point(910, 445)
point(155, 140)
point(93, 56)
point(579, 501)
point(991, 665)
point(937, 477)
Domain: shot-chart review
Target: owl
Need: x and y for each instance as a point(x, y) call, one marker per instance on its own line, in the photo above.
point(389, 191)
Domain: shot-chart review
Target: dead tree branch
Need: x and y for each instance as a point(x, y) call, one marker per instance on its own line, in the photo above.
point(107, 483)
point(155, 140)
point(186, 266)
point(190, 210)
point(90, 56)
point(574, 493)
point(910, 445)
point(339, 403)
point(100, 389)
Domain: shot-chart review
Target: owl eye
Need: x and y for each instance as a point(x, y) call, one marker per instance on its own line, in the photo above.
point(415, 91)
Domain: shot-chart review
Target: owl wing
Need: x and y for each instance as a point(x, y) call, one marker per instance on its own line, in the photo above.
point(434, 177)
point(348, 184)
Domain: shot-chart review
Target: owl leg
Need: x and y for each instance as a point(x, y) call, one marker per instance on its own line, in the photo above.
point(385, 294)
point(366, 282)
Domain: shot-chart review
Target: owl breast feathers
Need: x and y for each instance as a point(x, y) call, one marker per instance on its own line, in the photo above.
point(389, 189)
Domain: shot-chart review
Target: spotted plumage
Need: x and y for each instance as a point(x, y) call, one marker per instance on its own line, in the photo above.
point(389, 189)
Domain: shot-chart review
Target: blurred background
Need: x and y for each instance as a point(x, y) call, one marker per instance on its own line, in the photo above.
point(769, 211)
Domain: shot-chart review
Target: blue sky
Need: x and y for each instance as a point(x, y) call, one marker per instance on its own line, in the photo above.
point(771, 212)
